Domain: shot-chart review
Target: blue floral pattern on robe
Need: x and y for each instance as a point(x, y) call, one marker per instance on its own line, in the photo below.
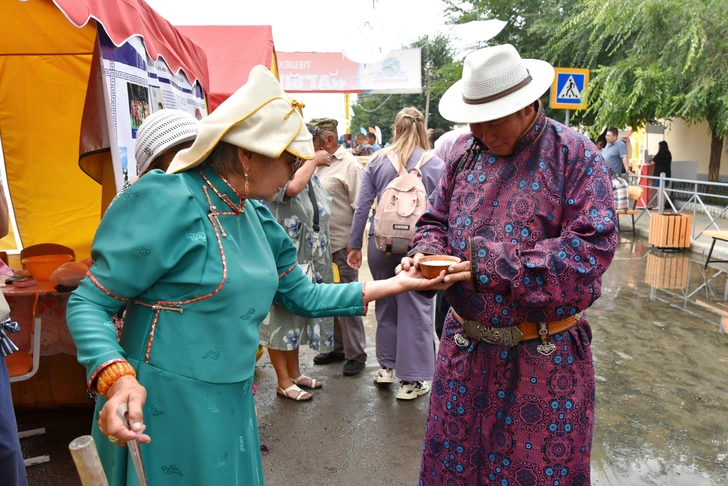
point(283, 330)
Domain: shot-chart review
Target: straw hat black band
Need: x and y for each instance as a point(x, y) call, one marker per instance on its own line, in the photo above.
point(500, 95)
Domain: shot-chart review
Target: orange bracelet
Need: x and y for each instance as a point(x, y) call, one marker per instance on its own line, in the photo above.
point(111, 373)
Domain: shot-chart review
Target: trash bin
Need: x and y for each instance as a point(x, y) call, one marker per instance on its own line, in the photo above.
point(671, 231)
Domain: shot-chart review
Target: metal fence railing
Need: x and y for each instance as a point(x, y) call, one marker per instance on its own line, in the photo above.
point(684, 196)
point(701, 289)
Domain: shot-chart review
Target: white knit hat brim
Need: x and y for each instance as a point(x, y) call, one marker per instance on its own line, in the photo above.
point(161, 131)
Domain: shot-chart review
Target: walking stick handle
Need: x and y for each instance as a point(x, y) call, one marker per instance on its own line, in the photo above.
point(84, 453)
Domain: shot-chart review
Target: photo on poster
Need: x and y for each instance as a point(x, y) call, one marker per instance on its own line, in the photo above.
point(157, 99)
point(124, 164)
point(138, 105)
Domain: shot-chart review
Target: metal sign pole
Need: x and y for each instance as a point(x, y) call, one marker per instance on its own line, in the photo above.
point(429, 92)
point(568, 117)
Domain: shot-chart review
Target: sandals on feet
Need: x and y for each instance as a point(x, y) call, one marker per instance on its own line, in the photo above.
point(312, 383)
point(300, 394)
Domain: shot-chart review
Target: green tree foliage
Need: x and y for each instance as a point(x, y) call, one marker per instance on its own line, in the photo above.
point(650, 59)
point(531, 26)
point(380, 110)
point(665, 59)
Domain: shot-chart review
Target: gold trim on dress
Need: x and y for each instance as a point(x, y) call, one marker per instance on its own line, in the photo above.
point(104, 289)
point(174, 305)
point(287, 271)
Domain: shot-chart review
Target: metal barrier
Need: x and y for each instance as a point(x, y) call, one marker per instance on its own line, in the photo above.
point(675, 286)
point(663, 195)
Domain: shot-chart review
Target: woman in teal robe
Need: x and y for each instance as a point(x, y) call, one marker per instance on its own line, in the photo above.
point(198, 266)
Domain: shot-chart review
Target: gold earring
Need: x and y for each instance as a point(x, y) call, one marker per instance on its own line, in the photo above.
point(247, 184)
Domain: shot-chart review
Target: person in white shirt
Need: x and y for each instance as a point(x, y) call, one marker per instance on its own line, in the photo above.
point(341, 181)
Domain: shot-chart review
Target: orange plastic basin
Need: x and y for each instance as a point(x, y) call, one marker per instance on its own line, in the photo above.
point(42, 267)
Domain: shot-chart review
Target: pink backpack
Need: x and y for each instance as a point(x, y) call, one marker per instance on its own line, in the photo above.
point(402, 203)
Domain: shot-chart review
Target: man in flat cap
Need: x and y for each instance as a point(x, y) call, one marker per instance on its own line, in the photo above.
point(325, 124)
point(341, 180)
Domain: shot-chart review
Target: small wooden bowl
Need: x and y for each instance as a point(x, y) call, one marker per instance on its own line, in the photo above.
point(432, 265)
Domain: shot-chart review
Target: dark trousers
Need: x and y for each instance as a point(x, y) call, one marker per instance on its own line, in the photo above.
point(12, 468)
point(349, 335)
point(442, 306)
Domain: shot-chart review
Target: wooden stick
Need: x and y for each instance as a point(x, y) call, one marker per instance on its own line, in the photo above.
point(84, 453)
point(34, 461)
point(31, 433)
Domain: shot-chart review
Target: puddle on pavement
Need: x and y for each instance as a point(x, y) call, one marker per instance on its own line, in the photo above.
point(660, 354)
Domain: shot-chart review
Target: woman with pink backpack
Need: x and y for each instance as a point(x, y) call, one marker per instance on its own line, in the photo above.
point(405, 335)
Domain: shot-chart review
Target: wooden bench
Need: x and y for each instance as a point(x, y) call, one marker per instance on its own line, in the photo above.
point(635, 193)
point(716, 235)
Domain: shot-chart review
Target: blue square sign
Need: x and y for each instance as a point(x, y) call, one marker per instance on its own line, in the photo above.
point(569, 88)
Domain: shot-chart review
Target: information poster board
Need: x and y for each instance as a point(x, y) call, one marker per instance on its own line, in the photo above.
point(136, 87)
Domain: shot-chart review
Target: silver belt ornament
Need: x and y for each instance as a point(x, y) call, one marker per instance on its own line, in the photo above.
point(546, 347)
point(502, 336)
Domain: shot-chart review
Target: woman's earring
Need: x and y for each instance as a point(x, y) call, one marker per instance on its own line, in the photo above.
point(247, 184)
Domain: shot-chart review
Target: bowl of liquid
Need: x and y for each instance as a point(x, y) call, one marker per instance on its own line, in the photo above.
point(432, 265)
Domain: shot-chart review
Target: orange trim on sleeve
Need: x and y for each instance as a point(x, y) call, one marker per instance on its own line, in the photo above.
point(104, 289)
point(287, 271)
point(92, 382)
point(363, 297)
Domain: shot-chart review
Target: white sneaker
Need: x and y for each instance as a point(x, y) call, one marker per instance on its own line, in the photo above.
point(384, 375)
point(412, 390)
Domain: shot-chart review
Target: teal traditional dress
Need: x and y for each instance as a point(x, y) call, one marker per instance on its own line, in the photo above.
point(285, 331)
point(198, 273)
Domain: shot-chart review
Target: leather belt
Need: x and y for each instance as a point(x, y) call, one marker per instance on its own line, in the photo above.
point(512, 335)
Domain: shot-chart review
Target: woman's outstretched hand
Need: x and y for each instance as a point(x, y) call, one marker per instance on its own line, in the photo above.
point(455, 272)
point(412, 279)
point(409, 278)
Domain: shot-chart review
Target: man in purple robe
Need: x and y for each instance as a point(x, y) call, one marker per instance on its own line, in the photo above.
point(526, 203)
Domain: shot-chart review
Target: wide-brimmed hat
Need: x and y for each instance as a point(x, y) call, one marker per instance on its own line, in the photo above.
point(161, 131)
point(496, 82)
point(259, 117)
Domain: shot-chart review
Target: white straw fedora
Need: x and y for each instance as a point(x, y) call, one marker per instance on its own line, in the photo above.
point(259, 117)
point(496, 82)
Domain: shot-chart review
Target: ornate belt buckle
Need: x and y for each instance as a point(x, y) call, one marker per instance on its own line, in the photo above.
point(500, 336)
point(546, 347)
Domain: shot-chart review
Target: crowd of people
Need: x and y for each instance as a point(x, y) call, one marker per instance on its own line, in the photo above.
point(261, 210)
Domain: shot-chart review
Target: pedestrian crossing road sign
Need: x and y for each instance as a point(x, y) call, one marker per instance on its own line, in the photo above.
point(568, 92)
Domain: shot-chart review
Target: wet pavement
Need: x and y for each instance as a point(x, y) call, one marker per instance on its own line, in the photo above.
point(660, 350)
